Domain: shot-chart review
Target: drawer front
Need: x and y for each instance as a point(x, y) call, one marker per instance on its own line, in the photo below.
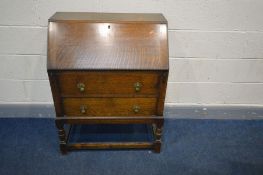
point(103, 83)
point(109, 106)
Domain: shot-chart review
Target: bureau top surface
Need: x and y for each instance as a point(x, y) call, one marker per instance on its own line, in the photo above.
point(108, 17)
point(107, 41)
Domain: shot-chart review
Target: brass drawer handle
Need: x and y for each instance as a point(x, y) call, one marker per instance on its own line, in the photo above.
point(83, 109)
point(137, 86)
point(136, 108)
point(81, 87)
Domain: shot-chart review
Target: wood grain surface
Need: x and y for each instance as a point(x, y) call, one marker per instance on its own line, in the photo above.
point(98, 46)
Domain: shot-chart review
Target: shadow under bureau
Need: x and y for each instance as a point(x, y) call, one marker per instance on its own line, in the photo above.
point(108, 68)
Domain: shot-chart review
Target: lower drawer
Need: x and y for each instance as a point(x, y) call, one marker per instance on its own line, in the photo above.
point(109, 106)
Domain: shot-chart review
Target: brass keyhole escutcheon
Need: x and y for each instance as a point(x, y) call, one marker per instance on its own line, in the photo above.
point(136, 108)
point(83, 109)
point(81, 87)
point(137, 86)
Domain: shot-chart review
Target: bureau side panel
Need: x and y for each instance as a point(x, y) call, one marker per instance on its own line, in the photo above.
point(53, 80)
point(162, 92)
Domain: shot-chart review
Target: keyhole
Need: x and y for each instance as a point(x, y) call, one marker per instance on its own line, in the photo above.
point(108, 26)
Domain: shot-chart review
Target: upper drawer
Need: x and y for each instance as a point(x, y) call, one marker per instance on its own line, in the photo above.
point(108, 83)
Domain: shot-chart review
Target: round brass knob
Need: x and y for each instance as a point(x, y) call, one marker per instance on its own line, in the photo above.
point(83, 109)
point(137, 86)
point(136, 108)
point(81, 87)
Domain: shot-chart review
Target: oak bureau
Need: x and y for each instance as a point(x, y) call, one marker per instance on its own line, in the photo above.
point(108, 68)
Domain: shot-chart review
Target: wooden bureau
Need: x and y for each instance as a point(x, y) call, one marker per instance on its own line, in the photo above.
point(108, 68)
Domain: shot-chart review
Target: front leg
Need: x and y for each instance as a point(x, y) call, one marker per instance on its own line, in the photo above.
point(157, 129)
point(62, 136)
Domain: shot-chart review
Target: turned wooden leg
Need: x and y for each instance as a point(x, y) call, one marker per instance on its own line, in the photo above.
point(62, 137)
point(158, 127)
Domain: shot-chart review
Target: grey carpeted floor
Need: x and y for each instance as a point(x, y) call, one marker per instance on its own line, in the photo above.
point(198, 147)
